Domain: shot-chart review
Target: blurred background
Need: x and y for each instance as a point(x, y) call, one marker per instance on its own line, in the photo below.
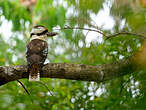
point(74, 46)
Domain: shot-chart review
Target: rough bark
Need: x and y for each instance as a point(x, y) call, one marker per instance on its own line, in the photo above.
point(83, 72)
point(71, 71)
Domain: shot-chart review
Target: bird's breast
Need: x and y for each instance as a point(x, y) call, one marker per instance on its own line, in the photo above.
point(36, 45)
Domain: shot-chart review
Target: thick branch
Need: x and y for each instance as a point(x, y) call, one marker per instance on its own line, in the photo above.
point(98, 73)
point(72, 71)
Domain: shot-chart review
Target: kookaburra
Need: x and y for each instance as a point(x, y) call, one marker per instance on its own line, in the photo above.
point(37, 51)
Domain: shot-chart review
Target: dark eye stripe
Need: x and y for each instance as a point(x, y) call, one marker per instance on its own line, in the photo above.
point(39, 34)
point(32, 34)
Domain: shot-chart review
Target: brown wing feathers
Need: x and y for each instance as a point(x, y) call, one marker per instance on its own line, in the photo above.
point(36, 54)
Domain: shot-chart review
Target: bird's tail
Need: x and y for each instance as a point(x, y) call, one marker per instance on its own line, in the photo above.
point(34, 72)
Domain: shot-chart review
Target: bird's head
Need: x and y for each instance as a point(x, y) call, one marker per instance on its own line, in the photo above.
point(41, 32)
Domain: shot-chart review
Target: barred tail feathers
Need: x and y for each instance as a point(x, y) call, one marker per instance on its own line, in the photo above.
point(34, 73)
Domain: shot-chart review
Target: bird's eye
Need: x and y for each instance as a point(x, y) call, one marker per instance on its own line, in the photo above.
point(40, 28)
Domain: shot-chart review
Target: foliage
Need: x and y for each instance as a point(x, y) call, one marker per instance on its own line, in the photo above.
point(73, 46)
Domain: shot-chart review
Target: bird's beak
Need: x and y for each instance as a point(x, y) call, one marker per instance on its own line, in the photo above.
point(51, 34)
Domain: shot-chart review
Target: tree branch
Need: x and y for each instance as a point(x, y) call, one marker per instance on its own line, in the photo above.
point(80, 28)
point(125, 33)
point(102, 33)
point(23, 87)
point(82, 72)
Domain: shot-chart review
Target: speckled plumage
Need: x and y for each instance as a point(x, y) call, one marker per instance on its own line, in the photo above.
point(37, 50)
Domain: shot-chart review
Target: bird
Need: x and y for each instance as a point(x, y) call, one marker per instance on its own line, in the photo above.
point(37, 51)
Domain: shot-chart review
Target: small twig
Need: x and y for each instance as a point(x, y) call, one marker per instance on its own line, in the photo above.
point(25, 90)
point(88, 29)
point(123, 86)
point(125, 33)
point(46, 88)
point(23, 87)
point(87, 33)
point(107, 36)
point(121, 89)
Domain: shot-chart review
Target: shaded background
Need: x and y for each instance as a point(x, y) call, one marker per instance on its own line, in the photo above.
point(74, 46)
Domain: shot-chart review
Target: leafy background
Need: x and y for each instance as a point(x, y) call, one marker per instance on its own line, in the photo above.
point(73, 46)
